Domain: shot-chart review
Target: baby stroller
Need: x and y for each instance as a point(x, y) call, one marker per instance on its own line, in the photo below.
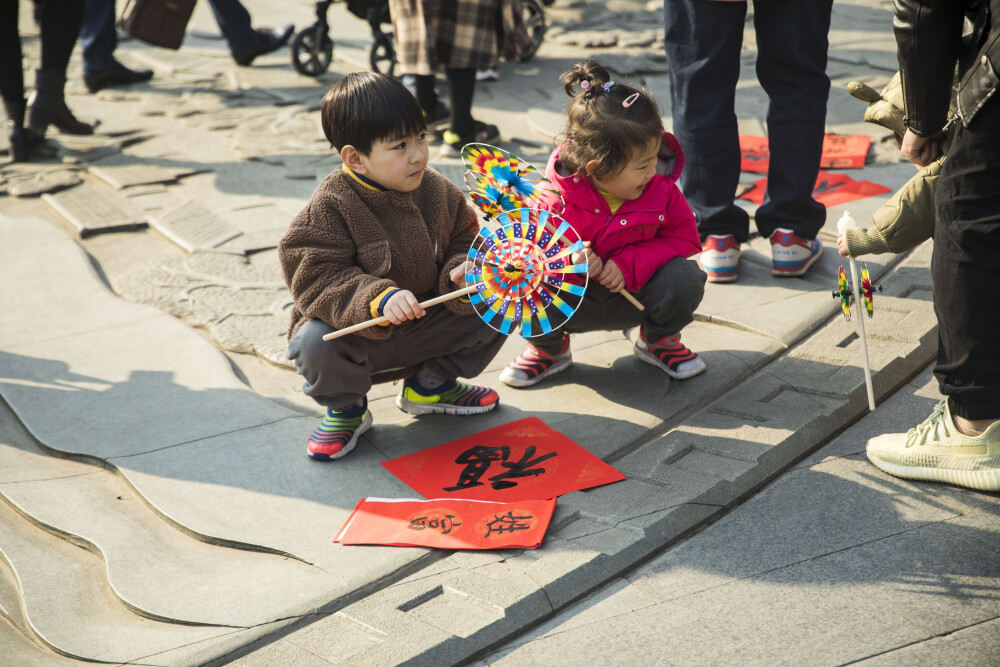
point(312, 48)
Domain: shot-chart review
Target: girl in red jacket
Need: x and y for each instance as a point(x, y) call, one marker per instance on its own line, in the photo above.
point(618, 171)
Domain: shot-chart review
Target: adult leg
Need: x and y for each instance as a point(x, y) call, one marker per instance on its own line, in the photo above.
point(12, 80)
point(702, 45)
point(966, 269)
point(461, 88)
point(234, 23)
point(97, 35)
point(61, 20)
point(792, 42)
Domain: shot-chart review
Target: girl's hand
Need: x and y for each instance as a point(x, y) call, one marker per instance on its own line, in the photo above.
point(402, 306)
point(842, 244)
point(594, 263)
point(457, 275)
point(611, 277)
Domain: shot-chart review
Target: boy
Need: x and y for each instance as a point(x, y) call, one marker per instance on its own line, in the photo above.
point(376, 238)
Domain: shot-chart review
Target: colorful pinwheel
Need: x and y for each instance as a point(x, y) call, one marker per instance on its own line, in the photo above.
point(499, 181)
point(843, 292)
point(521, 265)
point(867, 290)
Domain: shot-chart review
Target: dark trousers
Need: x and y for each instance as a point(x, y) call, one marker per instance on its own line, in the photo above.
point(966, 268)
point(98, 37)
point(340, 372)
point(60, 27)
point(670, 297)
point(702, 43)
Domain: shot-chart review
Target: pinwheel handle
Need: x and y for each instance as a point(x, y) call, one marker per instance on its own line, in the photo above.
point(465, 291)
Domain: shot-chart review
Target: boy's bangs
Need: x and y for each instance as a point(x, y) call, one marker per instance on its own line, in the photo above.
point(395, 115)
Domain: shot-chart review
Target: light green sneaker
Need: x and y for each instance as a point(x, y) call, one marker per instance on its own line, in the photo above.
point(936, 451)
point(452, 398)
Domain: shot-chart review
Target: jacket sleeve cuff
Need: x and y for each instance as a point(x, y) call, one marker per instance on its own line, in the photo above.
point(865, 242)
point(378, 303)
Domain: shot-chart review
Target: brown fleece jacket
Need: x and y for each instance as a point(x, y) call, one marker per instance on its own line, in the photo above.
point(351, 243)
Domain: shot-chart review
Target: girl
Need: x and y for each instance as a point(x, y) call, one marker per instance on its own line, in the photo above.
point(617, 170)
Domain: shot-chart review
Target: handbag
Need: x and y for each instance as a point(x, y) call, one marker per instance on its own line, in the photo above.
point(157, 22)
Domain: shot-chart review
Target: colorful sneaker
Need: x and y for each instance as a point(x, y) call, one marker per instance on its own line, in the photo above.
point(670, 355)
point(936, 451)
point(720, 257)
point(792, 255)
point(453, 398)
point(338, 433)
point(534, 365)
point(452, 143)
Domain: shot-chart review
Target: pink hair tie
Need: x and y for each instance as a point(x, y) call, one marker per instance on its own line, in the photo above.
point(585, 84)
point(630, 100)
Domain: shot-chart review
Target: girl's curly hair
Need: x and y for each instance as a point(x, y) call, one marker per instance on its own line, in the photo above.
point(599, 127)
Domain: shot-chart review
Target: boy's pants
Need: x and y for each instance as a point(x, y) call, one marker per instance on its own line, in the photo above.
point(670, 297)
point(339, 372)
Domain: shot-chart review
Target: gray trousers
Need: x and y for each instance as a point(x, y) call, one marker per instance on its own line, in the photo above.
point(670, 297)
point(340, 372)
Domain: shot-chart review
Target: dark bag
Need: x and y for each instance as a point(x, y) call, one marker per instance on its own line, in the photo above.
point(157, 22)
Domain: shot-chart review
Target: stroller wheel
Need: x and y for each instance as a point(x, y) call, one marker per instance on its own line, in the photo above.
point(310, 54)
point(534, 21)
point(382, 56)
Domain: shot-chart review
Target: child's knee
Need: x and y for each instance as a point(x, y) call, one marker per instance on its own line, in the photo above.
point(307, 345)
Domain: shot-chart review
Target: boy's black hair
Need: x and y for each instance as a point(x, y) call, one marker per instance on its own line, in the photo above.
point(365, 107)
point(599, 126)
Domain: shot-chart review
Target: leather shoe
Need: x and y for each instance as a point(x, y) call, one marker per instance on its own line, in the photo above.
point(115, 75)
point(265, 41)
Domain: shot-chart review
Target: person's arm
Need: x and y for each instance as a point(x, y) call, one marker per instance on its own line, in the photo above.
point(928, 39)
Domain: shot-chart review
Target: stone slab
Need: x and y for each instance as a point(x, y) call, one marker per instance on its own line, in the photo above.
point(975, 646)
point(122, 171)
point(61, 584)
point(91, 209)
point(193, 226)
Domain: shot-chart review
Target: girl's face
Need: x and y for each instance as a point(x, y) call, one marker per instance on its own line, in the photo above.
point(632, 179)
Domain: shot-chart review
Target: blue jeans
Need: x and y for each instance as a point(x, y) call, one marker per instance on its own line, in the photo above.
point(703, 39)
point(98, 38)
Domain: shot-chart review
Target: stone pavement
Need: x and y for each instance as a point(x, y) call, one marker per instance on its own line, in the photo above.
point(149, 416)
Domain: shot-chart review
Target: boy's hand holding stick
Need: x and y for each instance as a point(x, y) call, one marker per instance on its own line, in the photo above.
point(403, 306)
point(606, 273)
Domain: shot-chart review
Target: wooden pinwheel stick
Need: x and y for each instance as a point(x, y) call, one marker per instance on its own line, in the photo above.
point(383, 320)
point(847, 222)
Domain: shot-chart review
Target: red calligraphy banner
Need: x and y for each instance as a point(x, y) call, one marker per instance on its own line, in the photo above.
point(448, 523)
point(522, 460)
point(830, 190)
point(839, 152)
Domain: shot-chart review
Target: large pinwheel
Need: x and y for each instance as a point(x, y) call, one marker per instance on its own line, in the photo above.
point(522, 267)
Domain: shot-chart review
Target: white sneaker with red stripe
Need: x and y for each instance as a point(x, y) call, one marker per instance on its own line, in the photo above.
point(720, 257)
point(534, 365)
point(792, 255)
point(670, 355)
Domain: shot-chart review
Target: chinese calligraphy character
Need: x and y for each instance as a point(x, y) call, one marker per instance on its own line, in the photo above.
point(479, 459)
point(445, 524)
point(507, 523)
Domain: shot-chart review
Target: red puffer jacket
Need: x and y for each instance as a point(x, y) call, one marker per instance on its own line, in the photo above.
point(644, 233)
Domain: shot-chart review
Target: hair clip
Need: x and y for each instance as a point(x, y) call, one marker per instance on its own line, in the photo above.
point(586, 84)
point(630, 100)
point(607, 86)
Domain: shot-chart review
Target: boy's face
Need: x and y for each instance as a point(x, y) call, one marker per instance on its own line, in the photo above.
point(397, 164)
point(629, 183)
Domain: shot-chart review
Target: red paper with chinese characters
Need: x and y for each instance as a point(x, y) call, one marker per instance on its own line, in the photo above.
point(831, 189)
point(448, 523)
point(522, 460)
point(839, 152)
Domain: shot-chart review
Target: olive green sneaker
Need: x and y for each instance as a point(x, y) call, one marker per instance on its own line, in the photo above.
point(454, 397)
point(936, 451)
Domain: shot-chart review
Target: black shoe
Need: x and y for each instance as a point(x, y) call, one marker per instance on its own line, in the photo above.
point(115, 75)
point(47, 106)
point(266, 40)
point(437, 115)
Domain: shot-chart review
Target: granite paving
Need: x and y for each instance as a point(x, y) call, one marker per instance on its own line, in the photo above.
point(152, 430)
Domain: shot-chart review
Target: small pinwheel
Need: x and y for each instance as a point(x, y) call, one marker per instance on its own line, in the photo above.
point(843, 292)
point(867, 290)
point(499, 181)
